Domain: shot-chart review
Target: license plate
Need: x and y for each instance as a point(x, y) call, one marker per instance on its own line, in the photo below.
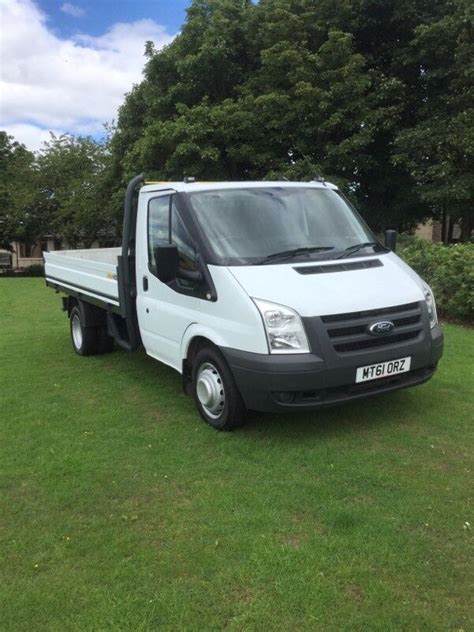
point(382, 369)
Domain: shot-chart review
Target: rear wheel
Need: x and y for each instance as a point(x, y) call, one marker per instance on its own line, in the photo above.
point(84, 339)
point(215, 391)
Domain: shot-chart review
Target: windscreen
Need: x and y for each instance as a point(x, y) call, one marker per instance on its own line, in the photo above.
point(244, 226)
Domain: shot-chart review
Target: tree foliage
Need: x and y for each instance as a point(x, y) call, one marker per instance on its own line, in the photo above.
point(297, 88)
point(438, 149)
point(64, 191)
point(73, 188)
point(17, 217)
point(374, 95)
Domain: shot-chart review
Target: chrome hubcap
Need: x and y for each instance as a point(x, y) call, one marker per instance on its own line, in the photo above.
point(210, 390)
point(77, 331)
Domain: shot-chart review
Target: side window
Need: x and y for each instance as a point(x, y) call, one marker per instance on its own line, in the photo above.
point(158, 231)
point(158, 225)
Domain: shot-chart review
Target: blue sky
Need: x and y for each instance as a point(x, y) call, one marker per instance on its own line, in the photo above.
point(100, 14)
point(65, 66)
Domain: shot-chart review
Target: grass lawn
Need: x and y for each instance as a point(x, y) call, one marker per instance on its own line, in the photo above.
point(121, 510)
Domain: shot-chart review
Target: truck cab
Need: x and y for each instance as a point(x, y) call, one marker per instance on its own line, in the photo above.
point(267, 296)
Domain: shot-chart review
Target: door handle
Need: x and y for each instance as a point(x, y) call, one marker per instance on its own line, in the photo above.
point(145, 284)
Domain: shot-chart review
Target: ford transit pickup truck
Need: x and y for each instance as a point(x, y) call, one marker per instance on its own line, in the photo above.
point(266, 296)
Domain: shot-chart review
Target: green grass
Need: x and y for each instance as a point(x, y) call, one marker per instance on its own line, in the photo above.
point(121, 510)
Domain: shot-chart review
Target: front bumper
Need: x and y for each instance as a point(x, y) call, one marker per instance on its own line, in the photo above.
point(273, 383)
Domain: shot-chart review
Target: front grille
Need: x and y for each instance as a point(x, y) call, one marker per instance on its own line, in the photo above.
point(385, 311)
point(350, 332)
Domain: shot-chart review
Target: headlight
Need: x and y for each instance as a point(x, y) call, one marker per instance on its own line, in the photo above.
point(431, 305)
point(284, 329)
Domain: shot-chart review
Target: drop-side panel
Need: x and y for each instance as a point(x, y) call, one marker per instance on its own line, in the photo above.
point(92, 272)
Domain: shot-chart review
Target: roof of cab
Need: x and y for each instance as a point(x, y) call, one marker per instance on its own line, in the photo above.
point(189, 187)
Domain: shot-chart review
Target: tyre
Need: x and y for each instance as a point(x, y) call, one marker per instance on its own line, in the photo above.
point(84, 339)
point(215, 391)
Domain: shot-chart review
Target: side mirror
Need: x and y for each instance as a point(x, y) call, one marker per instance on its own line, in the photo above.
point(391, 239)
point(166, 262)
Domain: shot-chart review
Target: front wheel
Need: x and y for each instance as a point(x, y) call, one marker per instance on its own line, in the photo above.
point(215, 391)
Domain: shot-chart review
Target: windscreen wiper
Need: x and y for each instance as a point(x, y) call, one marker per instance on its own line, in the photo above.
point(287, 254)
point(349, 251)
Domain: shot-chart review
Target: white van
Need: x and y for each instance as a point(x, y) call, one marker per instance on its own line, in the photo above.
point(267, 296)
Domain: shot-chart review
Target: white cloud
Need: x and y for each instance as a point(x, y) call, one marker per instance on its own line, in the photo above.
point(67, 85)
point(30, 135)
point(72, 9)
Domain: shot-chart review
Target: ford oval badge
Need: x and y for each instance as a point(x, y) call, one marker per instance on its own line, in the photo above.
point(381, 328)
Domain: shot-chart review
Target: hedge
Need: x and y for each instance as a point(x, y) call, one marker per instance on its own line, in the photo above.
point(449, 270)
point(35, 270)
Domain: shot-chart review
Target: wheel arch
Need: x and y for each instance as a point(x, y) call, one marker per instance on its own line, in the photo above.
point(92, 316)
point(68, 303)
point(194, 338)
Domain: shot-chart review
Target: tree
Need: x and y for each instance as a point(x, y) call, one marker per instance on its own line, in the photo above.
point(73, 189)
point(299, 88)
point(18, 219)
point(65, 190)
point(438, 149)
point(240, 92)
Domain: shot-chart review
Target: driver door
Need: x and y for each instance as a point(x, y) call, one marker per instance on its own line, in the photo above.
point(165, 310)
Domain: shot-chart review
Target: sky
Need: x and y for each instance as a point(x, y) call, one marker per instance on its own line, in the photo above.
point(65, 66)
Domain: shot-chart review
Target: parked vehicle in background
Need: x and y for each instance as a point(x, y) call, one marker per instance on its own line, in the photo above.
point(268, 296)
